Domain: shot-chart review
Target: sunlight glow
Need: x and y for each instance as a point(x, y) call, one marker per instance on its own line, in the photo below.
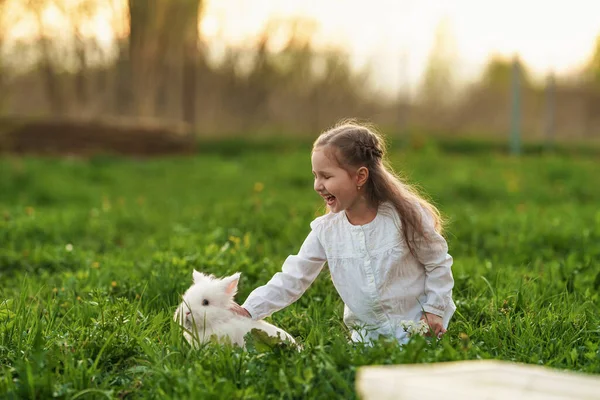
point(394, 37)
point(548, 36)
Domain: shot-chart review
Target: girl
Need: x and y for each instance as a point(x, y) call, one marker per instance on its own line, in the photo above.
point(382, 242)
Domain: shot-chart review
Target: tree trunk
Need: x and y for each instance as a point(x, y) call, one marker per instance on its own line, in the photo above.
point(191, 58)
point(123, 86)
point(144, 18)
point(81, 90)
point(3, 88)
point(161, 30)
point(54, 93)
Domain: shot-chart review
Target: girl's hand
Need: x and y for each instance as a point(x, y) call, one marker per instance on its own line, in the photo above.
point(435, 324)
point(236, 308)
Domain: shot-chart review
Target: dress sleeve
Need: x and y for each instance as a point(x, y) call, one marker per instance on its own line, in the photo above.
point(285, 287)
point(433, 254)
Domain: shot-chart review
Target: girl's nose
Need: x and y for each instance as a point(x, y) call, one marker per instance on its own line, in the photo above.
point(318, 185)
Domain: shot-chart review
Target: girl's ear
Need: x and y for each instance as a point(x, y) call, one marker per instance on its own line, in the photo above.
point(362, 174)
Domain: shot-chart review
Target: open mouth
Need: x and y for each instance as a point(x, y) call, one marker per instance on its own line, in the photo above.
point(329, 199)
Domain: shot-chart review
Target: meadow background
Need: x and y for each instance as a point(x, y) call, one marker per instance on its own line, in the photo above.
point(96, 252)
point(142, 139)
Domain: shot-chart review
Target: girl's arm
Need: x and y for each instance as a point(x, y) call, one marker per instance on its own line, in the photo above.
point(433, 254)
point(285, 287)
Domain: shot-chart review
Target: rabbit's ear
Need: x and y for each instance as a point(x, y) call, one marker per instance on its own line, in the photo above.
point(231, 283)
point(198, 276)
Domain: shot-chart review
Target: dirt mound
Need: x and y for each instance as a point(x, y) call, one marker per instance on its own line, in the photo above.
point(88, 137)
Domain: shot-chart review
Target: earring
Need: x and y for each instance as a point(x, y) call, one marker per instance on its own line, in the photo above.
point(358, 187)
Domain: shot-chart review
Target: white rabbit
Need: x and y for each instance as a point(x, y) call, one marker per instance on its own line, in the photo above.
point(205, 311)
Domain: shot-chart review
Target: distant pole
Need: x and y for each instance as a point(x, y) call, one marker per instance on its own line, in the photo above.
point(549, 115)
point(515, 131)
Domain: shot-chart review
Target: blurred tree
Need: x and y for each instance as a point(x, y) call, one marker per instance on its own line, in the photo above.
point(280, 82)
point(284, 81)
point(160, 31)
point(438, 80)
point(78, 15)
point(594, 65)
point(591, 107)
point(3, 79)
point(283, 60)
point(190, 14)
point(146, 21)
point(121, 101)
point(488, 101)
point(498, 74)
point(53, 88)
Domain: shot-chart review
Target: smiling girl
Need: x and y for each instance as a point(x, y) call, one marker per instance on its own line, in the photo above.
point(381, 240)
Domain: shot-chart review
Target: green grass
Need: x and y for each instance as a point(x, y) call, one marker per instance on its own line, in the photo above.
point(96, 321)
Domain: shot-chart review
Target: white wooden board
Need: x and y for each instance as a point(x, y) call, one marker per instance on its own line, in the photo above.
point(485, 380)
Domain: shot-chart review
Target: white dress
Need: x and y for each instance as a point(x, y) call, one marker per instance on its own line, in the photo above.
point(379, 280)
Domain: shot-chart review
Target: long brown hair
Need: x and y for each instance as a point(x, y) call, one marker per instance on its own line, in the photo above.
point(356, 145)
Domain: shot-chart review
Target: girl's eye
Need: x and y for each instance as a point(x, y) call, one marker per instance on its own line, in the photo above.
point(205, 302)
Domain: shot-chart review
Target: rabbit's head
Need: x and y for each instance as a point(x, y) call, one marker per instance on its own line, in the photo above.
point(207, 301)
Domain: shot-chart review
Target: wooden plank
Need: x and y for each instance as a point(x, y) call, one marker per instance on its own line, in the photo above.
point(485, 379)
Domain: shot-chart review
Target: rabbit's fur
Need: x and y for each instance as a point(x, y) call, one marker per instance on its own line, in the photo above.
point(205, 311)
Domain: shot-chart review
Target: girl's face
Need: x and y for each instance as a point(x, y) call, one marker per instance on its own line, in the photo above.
point(332, 182)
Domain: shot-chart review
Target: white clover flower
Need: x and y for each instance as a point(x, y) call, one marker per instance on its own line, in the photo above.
point(69, 247)
point(422, 327)
point(415, 328)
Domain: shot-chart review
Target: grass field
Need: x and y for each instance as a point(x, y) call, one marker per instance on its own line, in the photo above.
point(95, 254)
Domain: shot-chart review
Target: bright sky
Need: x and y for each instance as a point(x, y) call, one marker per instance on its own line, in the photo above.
point(395, 36)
